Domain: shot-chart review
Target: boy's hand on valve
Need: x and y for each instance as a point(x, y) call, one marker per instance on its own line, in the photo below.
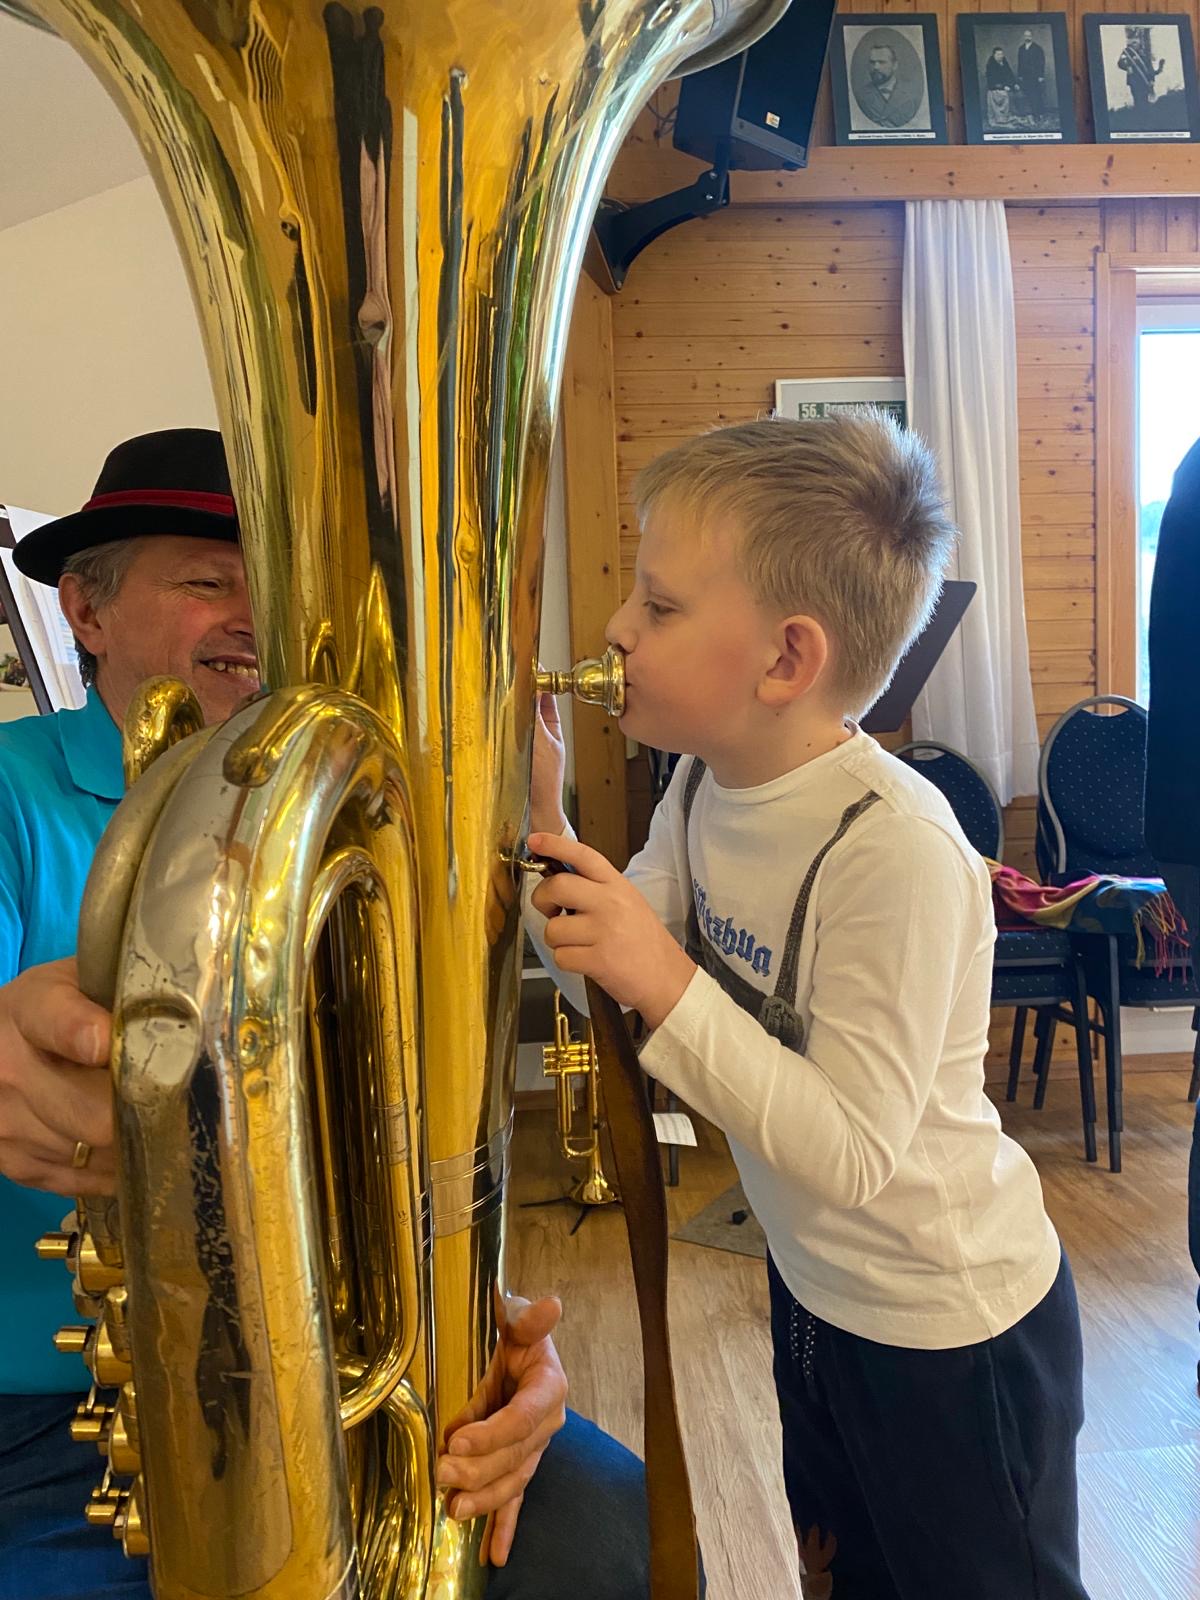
point(549, 769)
point(613, 936)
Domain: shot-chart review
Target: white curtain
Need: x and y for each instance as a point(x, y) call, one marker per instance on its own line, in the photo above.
point(960, 365)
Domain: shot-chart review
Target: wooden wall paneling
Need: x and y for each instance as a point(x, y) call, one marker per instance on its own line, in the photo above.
point(1183, 225)
point(1120, 225)
point(1058, 444)
point(590, 474)
point(1055, 316)
point(1045, 173)
point(772, 353)
point(651, 285)
point(1116, 525)
point(1150, 224)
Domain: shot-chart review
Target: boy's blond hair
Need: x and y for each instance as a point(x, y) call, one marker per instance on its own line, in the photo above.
point(842, 519)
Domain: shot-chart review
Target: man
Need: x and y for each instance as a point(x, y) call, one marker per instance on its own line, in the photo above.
point(1173, 742)
point(1031, 74)
point(885, 97)
point(150, 578)
point(1141, 70)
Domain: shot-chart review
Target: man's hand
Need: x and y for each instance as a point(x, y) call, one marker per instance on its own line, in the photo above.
point(54, 1084)
point(495, 1442)
point(549, 769)
point(613, 937)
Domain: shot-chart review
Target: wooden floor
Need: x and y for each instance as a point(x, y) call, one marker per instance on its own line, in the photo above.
point(1126, 1235)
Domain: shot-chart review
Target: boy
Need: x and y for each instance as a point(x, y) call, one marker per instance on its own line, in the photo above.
point(809, 935)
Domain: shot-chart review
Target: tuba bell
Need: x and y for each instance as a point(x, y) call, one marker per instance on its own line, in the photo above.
point(305, 921)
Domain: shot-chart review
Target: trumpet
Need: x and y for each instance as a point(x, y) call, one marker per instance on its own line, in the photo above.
point(566, 1060)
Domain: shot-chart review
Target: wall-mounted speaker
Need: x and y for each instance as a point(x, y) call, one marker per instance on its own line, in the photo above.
point(761, 103)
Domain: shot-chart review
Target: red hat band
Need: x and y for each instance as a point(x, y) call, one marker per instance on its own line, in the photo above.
point(219, 505)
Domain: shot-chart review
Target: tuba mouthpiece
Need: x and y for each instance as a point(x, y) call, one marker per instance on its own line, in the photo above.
point(598, 681)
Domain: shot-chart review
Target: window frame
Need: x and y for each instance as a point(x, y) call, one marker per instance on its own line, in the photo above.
point(1123, 282)
point(1176, 314)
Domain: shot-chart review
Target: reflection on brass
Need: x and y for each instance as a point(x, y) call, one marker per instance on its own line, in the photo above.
point(301, 920)
point(597, 682)
point(129, 1526)
point(107, 1499)
point(162, 712)
point(564, 1061)
point(73, 1341)
point(91, 1421)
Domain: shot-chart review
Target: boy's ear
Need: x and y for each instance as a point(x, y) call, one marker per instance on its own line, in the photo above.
point(81, 615)
point(801, 653)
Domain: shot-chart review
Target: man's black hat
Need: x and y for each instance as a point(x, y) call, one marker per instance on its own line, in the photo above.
point(174, 482)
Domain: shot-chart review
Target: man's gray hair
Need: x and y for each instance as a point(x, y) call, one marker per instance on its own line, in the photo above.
point(100, 572)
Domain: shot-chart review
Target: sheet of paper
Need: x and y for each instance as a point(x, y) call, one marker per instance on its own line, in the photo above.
point(22, 522)
point(49, 632)
point(674, 1127)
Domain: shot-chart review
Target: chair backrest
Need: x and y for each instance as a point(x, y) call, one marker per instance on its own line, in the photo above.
point(662, 769)
point(971, 796)
point(1091, 782)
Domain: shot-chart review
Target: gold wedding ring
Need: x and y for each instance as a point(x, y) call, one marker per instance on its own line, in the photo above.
point(82, 1153)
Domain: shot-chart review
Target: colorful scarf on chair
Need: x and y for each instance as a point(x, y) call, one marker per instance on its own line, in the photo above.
point(1140, 906)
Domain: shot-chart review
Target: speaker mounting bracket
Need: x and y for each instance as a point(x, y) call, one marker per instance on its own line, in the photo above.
point(623, 231)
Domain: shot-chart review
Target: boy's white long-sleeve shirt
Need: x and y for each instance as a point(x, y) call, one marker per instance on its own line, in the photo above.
point(893, 1204)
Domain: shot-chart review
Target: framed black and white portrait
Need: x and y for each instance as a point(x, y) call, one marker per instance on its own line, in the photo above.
point(1016, 75)
point(887, 79)
point(1142, 68)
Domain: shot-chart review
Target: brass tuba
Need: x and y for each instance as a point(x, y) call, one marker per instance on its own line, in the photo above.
point(307, 917)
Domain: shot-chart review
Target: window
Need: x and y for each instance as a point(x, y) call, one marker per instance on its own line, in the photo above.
point(1168, 424)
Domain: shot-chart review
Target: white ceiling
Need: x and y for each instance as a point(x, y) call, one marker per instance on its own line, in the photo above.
point(61, 137)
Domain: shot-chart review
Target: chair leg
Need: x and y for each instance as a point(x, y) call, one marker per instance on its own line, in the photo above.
point(1015, 1049)
point(1110, 1009)
point(1194, 1085)
point(672, 1150)
point(1047, 1025)
point(1083, 1053)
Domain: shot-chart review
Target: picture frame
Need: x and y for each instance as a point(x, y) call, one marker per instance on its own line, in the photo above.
point(886, 73)
point(1016, 77)
point(1142, 73)
point(804, 399)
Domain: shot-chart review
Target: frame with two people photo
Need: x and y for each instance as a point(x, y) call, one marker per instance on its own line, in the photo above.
point(1142, 68)
point(887, 79)
point(1016, 76)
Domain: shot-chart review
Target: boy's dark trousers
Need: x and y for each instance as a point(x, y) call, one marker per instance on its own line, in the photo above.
point(933, 1474)
point(1184, 884)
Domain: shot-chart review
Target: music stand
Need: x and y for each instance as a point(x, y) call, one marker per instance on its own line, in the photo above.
point(891, 710)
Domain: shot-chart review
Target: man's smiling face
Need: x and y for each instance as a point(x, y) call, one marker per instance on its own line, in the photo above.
point(182, 609)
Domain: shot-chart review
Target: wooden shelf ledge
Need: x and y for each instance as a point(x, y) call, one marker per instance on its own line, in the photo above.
point(1029, 172)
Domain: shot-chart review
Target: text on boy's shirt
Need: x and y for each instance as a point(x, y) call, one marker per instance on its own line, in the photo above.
point(724, 935)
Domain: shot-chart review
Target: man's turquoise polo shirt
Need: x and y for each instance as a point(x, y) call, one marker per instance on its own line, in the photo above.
point(60, 781)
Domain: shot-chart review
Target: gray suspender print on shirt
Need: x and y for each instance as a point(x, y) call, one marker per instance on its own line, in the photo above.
point(775, 1012)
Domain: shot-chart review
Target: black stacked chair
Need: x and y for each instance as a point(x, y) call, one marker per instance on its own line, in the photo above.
point(1090, 820)
point(1036, 969)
